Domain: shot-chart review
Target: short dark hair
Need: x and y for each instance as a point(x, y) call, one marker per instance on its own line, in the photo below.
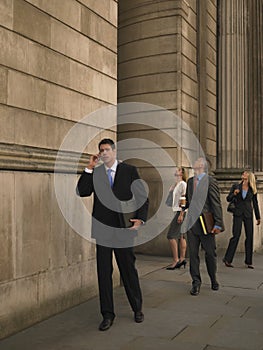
point(107, 142)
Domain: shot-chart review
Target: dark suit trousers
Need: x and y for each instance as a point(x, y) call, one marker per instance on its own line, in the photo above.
point(236, 231)
point(125, 259)
point(195, 237)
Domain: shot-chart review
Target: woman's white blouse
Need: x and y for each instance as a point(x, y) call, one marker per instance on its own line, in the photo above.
point(179, 191)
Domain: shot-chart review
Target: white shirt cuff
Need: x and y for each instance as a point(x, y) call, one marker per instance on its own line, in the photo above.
point(89, 171)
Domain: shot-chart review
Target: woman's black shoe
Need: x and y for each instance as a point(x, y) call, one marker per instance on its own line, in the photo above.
point(172, 267)
point(180, 263)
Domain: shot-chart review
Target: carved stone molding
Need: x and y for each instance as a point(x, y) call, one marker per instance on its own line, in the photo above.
point(25, 158)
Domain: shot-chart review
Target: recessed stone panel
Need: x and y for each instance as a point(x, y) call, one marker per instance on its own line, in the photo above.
point(165, 99)
point(189, 50)
point(98, 29)
point(188, 32)
point(32, 208)
point(66, 11)
point(48, 65)
point(18, 295)
point(91, 82)
point(105, 8)
point(56, 284)
point(69, 104)
point(26, 92)
point(189, 68)
point(149, 83)
point(79, 47)
point(7, 226)
point(6, 13)
point(7, 125)
point(211, 99)
point(3, 85)
point(189, 104)
point(147, 65)
point(14, 50)
point(31, 22)
point(189, 86)
point(157, 27)
point(149, 47)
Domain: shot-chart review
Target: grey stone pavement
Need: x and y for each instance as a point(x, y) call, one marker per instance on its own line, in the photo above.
point(231, 318)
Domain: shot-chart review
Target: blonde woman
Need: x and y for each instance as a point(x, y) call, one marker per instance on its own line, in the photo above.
point(244, 195)
point(174, 233)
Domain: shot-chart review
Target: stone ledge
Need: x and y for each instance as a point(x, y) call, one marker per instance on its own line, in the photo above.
point(24, 158)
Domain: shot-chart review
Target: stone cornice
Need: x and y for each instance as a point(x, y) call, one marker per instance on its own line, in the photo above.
point(26, 158)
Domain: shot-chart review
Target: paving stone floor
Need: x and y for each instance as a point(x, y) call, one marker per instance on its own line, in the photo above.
point(231, 318)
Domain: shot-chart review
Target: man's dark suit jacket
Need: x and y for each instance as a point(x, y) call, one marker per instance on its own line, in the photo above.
point(206, 198)
point(98, 183)
point(244, 206)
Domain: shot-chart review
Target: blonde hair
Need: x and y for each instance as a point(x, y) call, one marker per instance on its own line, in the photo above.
point(184, 173)
point(252, 181)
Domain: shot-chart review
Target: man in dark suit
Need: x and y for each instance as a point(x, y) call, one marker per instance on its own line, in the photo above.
point(112, 184)
point(202, 195)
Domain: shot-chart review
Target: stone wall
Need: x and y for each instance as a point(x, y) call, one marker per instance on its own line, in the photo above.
point(58, 63)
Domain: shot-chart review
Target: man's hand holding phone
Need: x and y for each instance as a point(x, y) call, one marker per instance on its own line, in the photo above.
point(93, 161)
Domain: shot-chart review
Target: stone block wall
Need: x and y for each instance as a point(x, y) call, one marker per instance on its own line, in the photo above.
point(58, 63)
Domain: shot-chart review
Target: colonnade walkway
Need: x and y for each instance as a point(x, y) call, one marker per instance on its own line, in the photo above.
point(231, 318)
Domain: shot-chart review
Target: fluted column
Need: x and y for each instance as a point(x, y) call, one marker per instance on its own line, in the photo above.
point(232, 79)
point(239, 87)
point(255, 82)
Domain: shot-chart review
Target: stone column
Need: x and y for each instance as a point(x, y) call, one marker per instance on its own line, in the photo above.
point(232, 82)
point(239, 87)
point(255, 84)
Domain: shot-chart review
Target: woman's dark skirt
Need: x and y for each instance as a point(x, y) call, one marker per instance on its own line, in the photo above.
point(174, 231)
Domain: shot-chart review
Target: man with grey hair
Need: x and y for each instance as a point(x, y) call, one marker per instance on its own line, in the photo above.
point(202, 196)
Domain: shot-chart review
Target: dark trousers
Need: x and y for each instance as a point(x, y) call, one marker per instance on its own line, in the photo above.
point(233, 242)
point(125, 259)
point(196, 237)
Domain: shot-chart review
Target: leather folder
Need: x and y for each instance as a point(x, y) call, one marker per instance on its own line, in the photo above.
point(207, 222)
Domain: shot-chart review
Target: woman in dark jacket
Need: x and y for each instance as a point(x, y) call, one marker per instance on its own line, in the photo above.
point(244, 196)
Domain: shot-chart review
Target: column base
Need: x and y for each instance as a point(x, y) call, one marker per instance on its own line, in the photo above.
point(234, 175)
point(228, 174)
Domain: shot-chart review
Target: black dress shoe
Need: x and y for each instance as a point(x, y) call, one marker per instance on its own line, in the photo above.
point(105, 324)
point(195, 290)
point(138, 317)
point(215, 286)
point(227, 263)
